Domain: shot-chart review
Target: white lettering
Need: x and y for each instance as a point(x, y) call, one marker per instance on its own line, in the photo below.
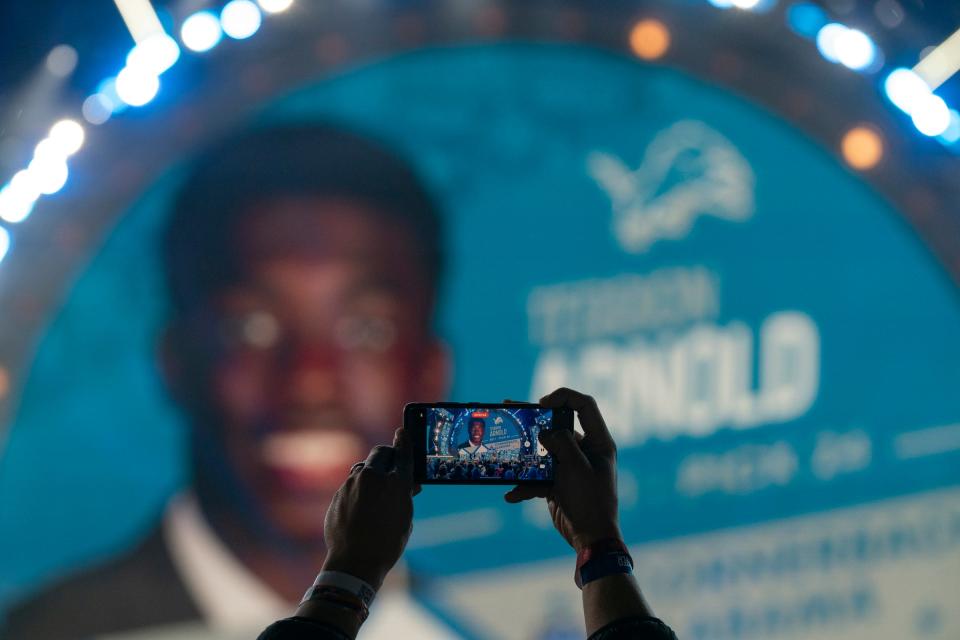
point(693, 382)
point(600, 308)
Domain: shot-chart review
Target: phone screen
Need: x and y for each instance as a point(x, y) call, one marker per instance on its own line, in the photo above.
point(486, 444)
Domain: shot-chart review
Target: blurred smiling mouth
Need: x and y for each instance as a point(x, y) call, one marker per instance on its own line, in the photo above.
point(312, 460)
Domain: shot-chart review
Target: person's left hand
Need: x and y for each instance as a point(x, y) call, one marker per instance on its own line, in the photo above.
point(370, 519)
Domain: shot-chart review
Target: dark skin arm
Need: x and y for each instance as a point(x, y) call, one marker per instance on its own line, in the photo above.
point(583, 503)
point(367, 526)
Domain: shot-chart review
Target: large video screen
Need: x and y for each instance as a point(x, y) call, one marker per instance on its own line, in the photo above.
point(774, 351)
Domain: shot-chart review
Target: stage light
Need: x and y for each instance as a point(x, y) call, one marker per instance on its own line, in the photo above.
point(48, 147)
point(827, 39)
point(25, 185)
point(61, 61)
point(850, 47)
point(855, 50)
point(745, 4)
point(806, 19)
point(4, 243)
point(274, 6)
point(240, 19)
point(201, 31)
point(69, 136)
point(952, 133)
point(136, 87)
point(905, 89)
point(96, 109)
point(48, 173)
point(862, 148)
point(930, 115)
point(17, 200)
point(649, 39)
point(18, 197)
point(155, 54)
point(721, 4)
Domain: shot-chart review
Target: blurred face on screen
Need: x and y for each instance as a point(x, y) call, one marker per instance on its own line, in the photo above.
point(476, 431)
point(321, 343)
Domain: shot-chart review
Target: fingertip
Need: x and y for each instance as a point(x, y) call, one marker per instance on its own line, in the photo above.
point(548, 401)
point(555, 398)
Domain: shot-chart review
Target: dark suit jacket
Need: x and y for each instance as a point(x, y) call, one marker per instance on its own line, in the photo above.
point(137, 590)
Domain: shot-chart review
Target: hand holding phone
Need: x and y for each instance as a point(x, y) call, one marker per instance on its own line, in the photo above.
point(482, 443)
point(583, 499)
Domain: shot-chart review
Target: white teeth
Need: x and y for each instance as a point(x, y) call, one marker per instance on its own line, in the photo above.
point(313, 450)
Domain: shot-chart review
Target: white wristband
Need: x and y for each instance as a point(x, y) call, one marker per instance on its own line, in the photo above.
point(345, 582)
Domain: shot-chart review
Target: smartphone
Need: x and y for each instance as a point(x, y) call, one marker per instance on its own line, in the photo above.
point(482, 443)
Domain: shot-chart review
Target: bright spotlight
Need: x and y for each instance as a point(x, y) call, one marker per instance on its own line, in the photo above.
point(905, 89)
point(721, 4)
point(240, 19)
point(854, 49)
point(274, 6)
point(828, 39)
point(931, 116)
point(201, 31)
point(16, 201)
point(745, 4)
point(952, 133)
point(49, 147)
point(4, 242)
point(137, 87)
point(69, 136)
point(154, 54)
point(48, 173)
point(26, 184)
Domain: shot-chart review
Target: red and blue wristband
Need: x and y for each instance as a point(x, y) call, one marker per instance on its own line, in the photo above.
point(601, 559)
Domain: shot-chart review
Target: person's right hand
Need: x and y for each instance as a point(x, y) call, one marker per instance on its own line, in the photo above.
point(370, 519)
point(583, 497)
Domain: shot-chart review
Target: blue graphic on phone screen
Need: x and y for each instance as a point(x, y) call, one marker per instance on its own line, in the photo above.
point(487, 444)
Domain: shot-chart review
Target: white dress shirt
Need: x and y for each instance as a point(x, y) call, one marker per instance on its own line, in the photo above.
point(237, 604)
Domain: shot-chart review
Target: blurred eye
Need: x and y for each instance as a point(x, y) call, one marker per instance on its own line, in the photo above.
point(365, 333)
point(261, 330)
point(253, 330)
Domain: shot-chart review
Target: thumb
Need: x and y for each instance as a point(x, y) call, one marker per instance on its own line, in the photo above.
point(562, 445)
point(526, 492)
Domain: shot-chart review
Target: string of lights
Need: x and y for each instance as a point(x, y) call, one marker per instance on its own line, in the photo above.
point(135, 85)
point(911, 91)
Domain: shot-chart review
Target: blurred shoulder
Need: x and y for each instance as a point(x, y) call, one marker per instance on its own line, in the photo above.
point(141, 588)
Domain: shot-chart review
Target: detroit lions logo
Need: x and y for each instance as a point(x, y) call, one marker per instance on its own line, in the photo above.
point(688, 170)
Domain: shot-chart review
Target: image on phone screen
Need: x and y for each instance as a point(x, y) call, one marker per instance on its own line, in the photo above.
point(480, 444)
